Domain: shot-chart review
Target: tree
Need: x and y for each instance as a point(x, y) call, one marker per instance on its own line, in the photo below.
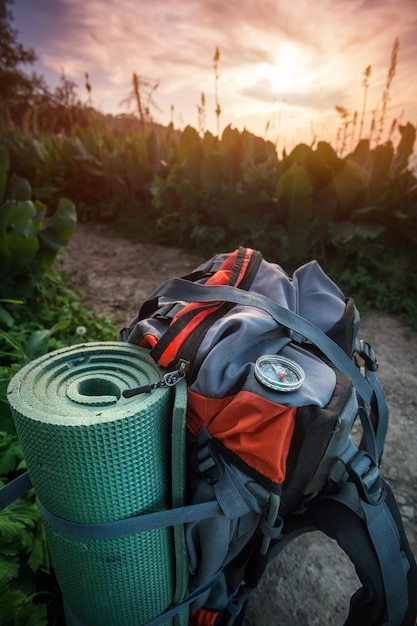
point(58, 111)
point(16, 87)
point(27, 98)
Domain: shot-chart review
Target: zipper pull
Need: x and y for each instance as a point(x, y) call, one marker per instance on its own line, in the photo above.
point(168, 380)
point(174, 377)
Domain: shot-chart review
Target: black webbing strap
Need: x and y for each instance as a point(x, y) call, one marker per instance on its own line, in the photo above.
point(374, 539)
point(170, 612)
point(15, 489)
point(131, 525)
point(378, 423)
point(394, 567)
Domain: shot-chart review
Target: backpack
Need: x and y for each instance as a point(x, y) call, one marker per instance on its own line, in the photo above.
point(274, 386)
point(268, 377)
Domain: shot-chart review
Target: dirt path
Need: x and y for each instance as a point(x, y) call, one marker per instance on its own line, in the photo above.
point(310, 584)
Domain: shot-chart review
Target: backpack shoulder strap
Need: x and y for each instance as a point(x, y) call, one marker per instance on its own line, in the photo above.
point(373, 537)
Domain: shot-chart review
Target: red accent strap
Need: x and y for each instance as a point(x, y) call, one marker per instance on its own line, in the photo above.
point(221, 277)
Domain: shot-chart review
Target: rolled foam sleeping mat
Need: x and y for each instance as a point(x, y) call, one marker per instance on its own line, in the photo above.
point(94, 456)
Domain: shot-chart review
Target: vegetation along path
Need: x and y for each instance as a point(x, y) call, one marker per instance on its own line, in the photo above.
point(310, 584)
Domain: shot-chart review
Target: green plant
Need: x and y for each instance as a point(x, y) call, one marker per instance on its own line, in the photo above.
point(23, 553)
point(27, 248)
point(48, 315)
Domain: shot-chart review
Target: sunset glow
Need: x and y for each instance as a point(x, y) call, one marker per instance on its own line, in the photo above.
point(283, 66)
point(290, 71)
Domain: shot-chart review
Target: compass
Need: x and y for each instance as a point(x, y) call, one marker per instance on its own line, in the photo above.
point(279, 373)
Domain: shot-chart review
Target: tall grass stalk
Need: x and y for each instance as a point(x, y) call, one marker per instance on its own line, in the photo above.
point(201, 110)
point(218, 110)
point(386, 92)
point(365, 84)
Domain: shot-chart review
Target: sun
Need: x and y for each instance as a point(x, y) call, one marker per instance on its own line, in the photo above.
point(291, 70)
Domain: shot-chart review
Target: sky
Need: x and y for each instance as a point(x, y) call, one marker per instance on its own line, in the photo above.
point(283, 64)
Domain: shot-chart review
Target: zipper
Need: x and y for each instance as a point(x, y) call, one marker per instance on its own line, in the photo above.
point(188, 350)
point(168, 380)
point(190, 347)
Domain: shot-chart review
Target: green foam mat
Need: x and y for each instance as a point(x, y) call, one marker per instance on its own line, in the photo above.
point(94, 456)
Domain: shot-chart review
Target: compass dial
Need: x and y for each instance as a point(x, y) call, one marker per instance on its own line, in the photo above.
point(279, 373)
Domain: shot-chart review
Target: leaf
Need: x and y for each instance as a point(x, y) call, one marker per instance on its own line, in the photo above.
point(37, 344)
point(32, 614)
point(190, 144)
point(20, 189)
point(351, 183)
point(211, 173)
point(153, 147)
point(231, 139)
point(8, 461)
point(9, 567)
point(40, 150)
point(19, 524)
point(299, 155)
point(23, 251)
point(4, 167)
point(12, 531)
point(11, 453)
point(37, 554)
point(342, 232)
point(19, 609)
point(21, 218)
point(294, 192)
point(58, 232)
point(5, 254)
point(40, 214)
point(328, 156)
point(5, 318)
point(405, 148)
point(367, 214)
point(10, 602)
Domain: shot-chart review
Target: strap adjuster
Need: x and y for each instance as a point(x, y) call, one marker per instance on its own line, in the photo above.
point(367, 354)
point(364, 472)
point(209, 462)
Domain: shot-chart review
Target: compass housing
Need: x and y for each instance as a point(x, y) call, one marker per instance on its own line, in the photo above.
point(279, 373)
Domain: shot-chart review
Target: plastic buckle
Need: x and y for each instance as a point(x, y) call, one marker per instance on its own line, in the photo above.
point(209, 462)
point(364, 472)
point(366, 352)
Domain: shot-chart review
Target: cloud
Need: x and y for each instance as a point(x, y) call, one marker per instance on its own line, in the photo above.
point(321, 99)
point(311, 54)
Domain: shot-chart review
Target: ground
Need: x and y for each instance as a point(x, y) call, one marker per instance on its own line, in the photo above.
point(311, 582)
